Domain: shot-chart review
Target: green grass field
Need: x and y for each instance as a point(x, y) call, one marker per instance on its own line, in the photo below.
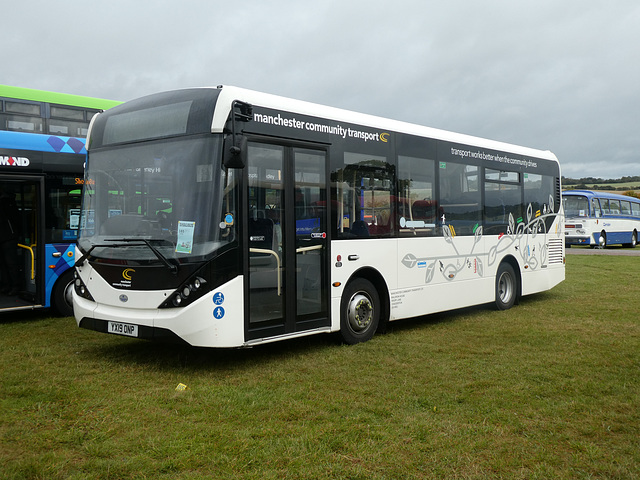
point(548, 389)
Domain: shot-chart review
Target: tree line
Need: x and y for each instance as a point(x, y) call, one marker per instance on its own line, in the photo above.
point(609, 184)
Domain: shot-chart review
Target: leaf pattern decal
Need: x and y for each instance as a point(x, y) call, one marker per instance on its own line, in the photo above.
point(431, 269)
point(409, 260)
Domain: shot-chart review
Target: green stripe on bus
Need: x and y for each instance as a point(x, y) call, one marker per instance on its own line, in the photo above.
point(22, 93)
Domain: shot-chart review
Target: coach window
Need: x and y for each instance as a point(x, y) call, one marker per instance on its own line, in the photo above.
point(460, 198)
point(416, 197)
point(596, 211)
point(604, 206)
point(364, 191)
point(625, 207)
point(503, 201)
point(635, 209)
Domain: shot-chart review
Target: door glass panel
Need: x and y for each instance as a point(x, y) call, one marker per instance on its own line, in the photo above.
point(265, 227)
point(311, 237)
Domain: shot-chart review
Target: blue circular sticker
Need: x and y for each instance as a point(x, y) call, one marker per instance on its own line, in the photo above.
point(218, 298)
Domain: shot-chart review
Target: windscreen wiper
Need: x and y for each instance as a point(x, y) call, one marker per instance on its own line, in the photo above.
point(126, 242)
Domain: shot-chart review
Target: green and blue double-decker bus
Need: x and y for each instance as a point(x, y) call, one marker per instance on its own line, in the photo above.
point(42, 155)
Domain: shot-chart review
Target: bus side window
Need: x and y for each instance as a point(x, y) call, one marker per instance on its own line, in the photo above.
point(595, 208)
point(416, 197)
point(460, 197)
point(365, 188)
point(625, 208)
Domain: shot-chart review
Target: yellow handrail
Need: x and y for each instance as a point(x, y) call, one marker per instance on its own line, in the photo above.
point(33, 260)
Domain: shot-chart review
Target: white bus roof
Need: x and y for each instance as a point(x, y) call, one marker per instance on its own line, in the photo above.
point(229, 94)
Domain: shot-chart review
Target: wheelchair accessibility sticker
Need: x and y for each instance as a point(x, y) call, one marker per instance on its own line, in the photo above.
point(218, 300)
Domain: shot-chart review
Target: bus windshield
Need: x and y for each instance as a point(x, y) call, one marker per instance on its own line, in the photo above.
point(171, 194)
point(575, 206)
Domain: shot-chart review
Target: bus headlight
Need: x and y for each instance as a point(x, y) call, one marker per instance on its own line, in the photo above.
point(80, 288)
point(187, 293)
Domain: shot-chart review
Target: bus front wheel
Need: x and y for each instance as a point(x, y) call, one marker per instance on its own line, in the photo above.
point(61, 295)
point(359, 311)
point(506, 287)
point(602, 241)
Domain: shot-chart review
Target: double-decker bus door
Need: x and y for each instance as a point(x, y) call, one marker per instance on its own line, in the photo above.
point(22, 249)
point(286, 240)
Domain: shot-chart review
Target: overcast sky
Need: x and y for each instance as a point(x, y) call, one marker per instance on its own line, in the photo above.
point(549, 74)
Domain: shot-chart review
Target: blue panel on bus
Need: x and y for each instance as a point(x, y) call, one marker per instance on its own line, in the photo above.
point(42, 143)
point(59, 258)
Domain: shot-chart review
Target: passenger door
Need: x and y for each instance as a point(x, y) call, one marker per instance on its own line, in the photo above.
point(23, 256)
point(285, 240)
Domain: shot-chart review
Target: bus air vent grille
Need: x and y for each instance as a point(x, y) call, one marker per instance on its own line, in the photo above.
point(555, 250)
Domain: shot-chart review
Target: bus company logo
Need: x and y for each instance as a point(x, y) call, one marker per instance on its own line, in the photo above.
point(384, 137)
point(14, 161)
point(126, 273)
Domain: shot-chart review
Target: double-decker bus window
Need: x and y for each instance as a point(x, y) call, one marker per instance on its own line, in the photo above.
point(460, 197)
point(23, 108)
point(68, 113)
point(416, 197)
point(23, 117)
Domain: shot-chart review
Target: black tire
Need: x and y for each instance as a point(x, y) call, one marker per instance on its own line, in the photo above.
point(603, 234)
point(634, 240)
point(506, 287)
point(359, 311)
point(61, 299)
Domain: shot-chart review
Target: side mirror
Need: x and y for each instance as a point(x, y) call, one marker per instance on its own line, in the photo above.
point(235, 145)
point(235, 151)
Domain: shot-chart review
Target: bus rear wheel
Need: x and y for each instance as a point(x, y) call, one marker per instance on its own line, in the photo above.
point(506, 287)
point(359, 311)
point(634, 240)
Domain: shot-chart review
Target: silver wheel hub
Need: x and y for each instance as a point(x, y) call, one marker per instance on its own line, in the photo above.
point(505, 287)
point(68, 294)
point(360, 312)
